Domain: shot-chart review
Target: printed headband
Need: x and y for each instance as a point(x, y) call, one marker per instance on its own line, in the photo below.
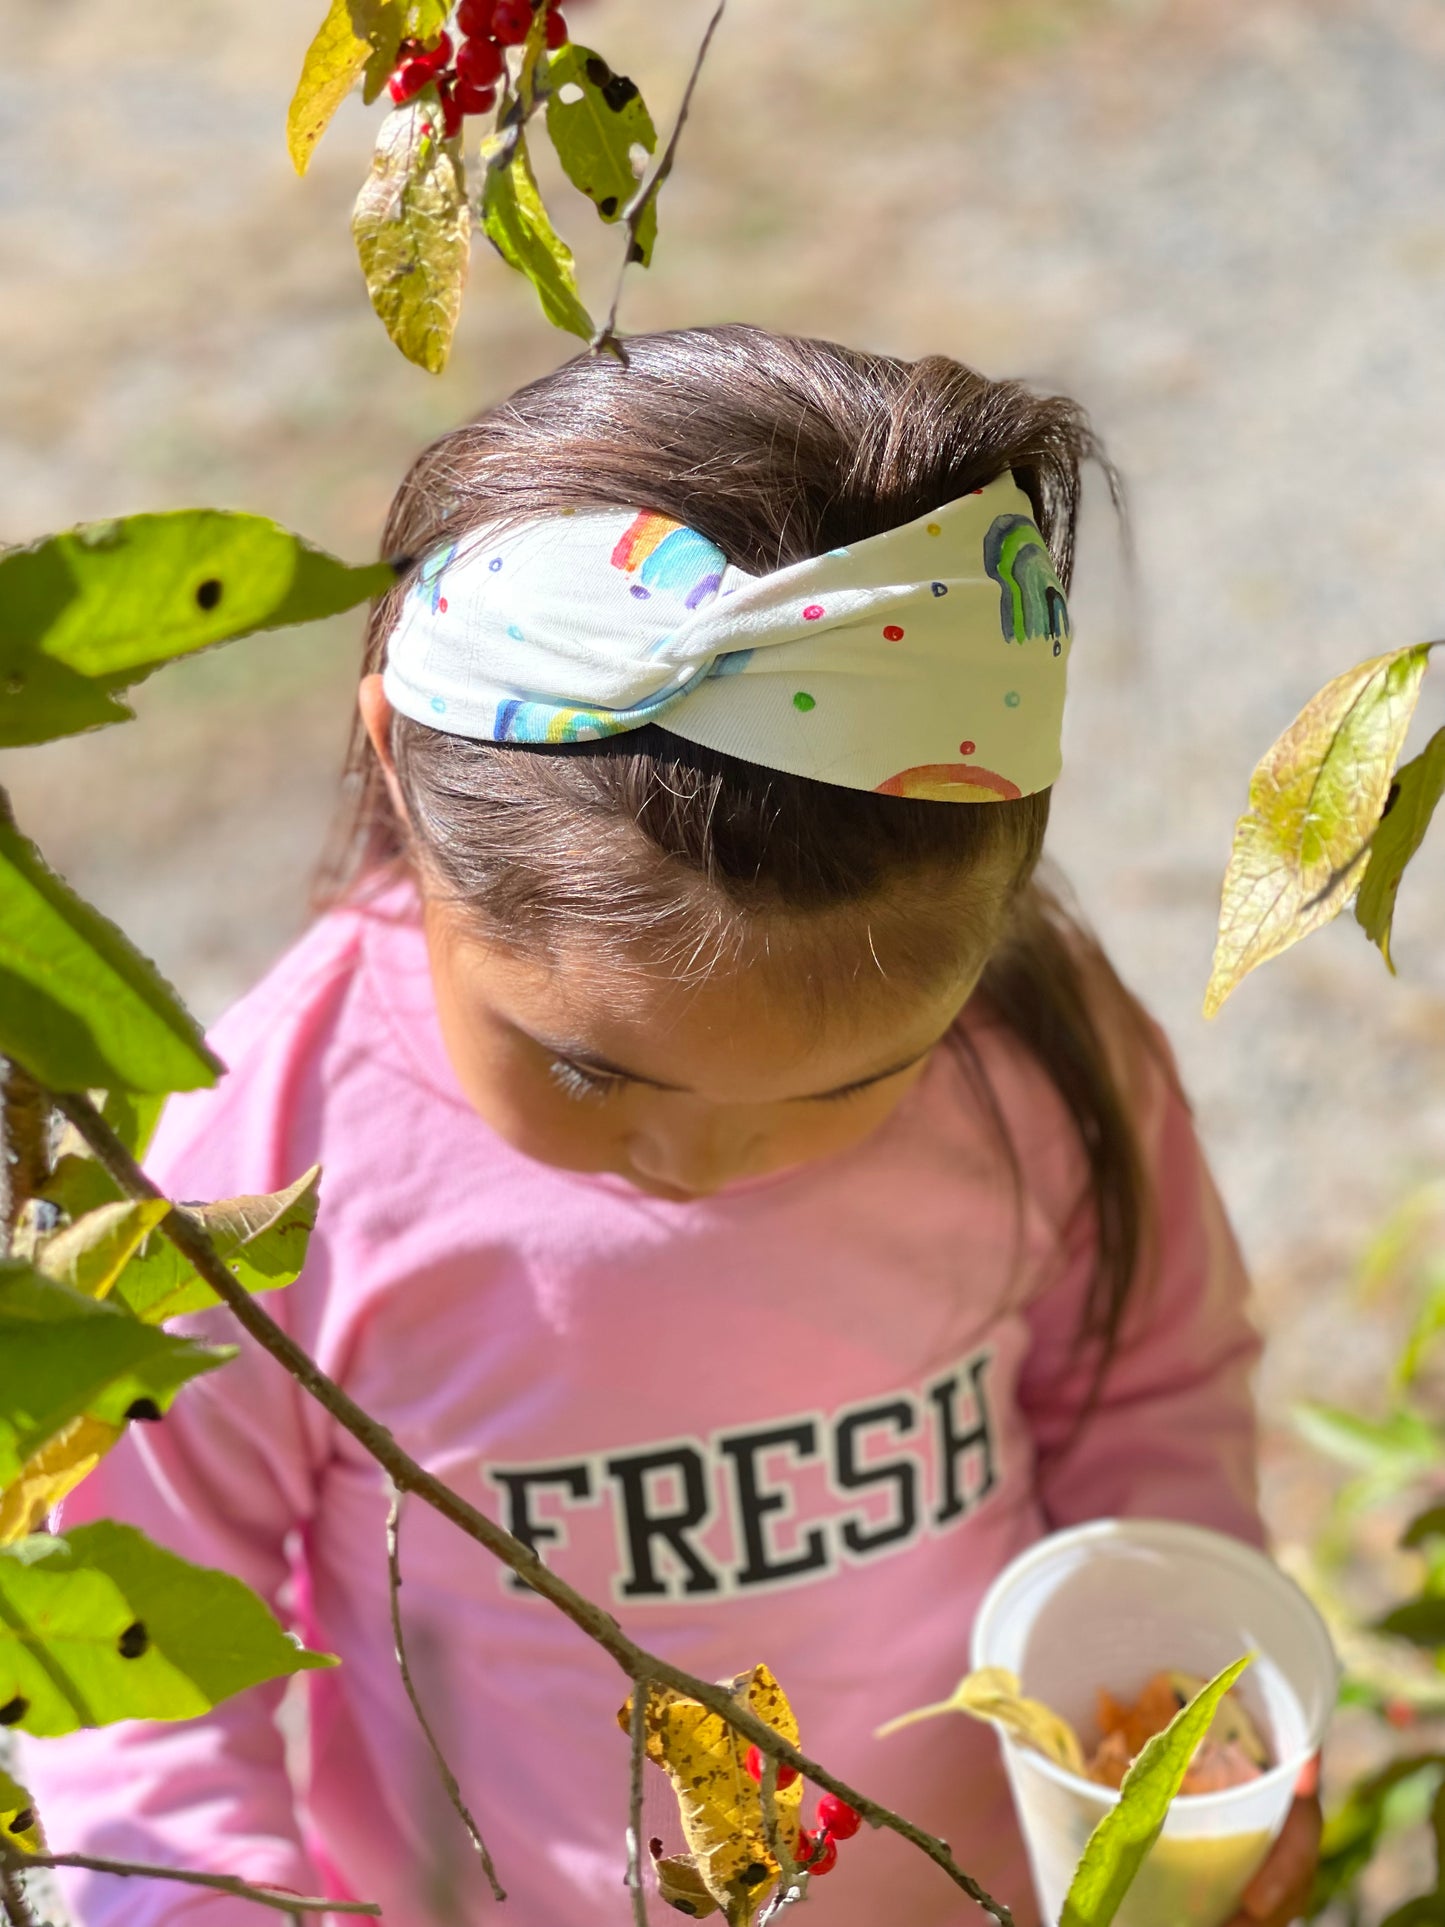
point(928, 661)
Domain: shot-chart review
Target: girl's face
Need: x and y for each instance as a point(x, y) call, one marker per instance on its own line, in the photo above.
point(680, 1090)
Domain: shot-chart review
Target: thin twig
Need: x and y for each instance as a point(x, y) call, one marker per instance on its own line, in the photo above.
point(187, 1235)
point(605, 340)
point(14, 1901)
point(448, 1778)
point(641, 1694)
point(273, 1897)
point(789, 1887)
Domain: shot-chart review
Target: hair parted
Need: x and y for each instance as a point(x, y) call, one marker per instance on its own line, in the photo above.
point(776, 448)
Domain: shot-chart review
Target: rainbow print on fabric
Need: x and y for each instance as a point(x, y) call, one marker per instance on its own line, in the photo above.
point(663, 554)
point(428, 584)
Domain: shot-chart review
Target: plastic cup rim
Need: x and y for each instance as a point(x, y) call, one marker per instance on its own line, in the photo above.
point(1159, 1532)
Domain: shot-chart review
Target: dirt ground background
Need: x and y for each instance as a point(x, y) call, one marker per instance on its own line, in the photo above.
point(1221, 225)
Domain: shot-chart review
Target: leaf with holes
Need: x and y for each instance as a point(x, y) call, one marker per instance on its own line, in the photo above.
point(1417, 788)
point(90, 1254)
point(516, 223)
point(354, 35)
point(18, 1823)
point(412, 228)
point(91, 611)
point(100, 1624)
point(79, 1006)
point(261, 1241)
point(64, 1356)
point(595, 119)
point(719, 1801)
point(1119, 1844)
point(1314, 801)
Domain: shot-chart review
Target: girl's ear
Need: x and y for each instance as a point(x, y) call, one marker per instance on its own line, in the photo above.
point(376, 715)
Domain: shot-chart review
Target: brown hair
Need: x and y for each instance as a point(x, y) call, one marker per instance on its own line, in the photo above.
point(777, 449)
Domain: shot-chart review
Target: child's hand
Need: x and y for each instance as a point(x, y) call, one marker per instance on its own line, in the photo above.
point(1280, 1891)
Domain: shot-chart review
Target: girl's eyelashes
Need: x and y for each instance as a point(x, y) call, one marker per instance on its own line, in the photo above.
point(575, 1082)
point(849, 1090)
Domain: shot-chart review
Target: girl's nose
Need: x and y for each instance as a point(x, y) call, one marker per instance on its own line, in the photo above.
point(699, 1158)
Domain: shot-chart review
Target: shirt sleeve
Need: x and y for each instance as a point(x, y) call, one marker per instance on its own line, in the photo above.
point(224, 1480)
point(1172, 1434)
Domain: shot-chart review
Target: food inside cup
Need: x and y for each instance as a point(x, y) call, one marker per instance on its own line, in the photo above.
point(1231, 1753)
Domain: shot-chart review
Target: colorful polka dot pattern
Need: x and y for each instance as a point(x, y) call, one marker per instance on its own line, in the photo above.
point(580, 627)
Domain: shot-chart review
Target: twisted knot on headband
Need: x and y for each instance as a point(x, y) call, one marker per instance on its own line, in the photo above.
point(928, 661)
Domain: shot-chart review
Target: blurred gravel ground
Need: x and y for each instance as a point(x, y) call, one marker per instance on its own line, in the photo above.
point(1222, 225)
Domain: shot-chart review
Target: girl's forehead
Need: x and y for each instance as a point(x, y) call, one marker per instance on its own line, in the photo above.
point(766, 1023)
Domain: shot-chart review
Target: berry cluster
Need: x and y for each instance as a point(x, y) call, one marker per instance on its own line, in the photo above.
point(469, 86)
point(835, 1820)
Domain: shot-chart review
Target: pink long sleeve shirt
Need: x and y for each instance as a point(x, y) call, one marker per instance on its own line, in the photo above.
point(804, 1421)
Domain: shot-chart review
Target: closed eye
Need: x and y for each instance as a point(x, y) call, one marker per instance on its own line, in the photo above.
point(582, 1085)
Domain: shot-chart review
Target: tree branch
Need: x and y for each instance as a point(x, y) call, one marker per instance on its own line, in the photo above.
point(448, 1778)
point(191, 1241)
point(641, 1694)
point(606, 341)
point(273, 1897)
point(14, 1901)
point(24, 1147)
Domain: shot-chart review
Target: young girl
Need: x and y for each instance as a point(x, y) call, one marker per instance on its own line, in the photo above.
point(741, 1178)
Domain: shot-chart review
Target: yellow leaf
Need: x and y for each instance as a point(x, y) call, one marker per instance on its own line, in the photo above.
point(994, 1694)
point(18, 1822)
point(90, 1254)
point(719, 1802)
point(353, 33)
point(57, 1468)
point(1314, 802)
point(681, 1886)
point(412, 227)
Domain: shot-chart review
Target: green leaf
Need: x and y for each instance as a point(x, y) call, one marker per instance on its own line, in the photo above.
point(1314, 802)
point(261, 1240)
point(516, 224)
point(351, 34)
point(1408, 808)
point(103, 605)
point(1379, 1803)
point(64, 1356)
point(1118, 1845)
point(78, 1184)
point(79, 1006)
point(102, 1625)
point(1425, 1910)
point(412, 228)
point(1429, 1524)
point(1402, 1444)
point(18, 1825)
point(595, 118)
point(1421, 1621)
point(133, 1117)
point(90, 1254)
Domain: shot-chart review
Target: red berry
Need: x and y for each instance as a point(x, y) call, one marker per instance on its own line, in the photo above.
point(753, 1761)
point(1401, 1714)
point(409, 79)
point(474, 18)
point(438, 56)
point(451, 114)
point(837, 1817)
point(474, 100)
point(556, 29)
point(480, 62)
point(511, 21)
point(823, 1845)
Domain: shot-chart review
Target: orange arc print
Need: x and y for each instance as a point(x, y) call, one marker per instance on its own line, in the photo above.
point(950, 783)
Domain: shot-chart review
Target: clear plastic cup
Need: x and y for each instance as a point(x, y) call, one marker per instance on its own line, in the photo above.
point(1109, 1604)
